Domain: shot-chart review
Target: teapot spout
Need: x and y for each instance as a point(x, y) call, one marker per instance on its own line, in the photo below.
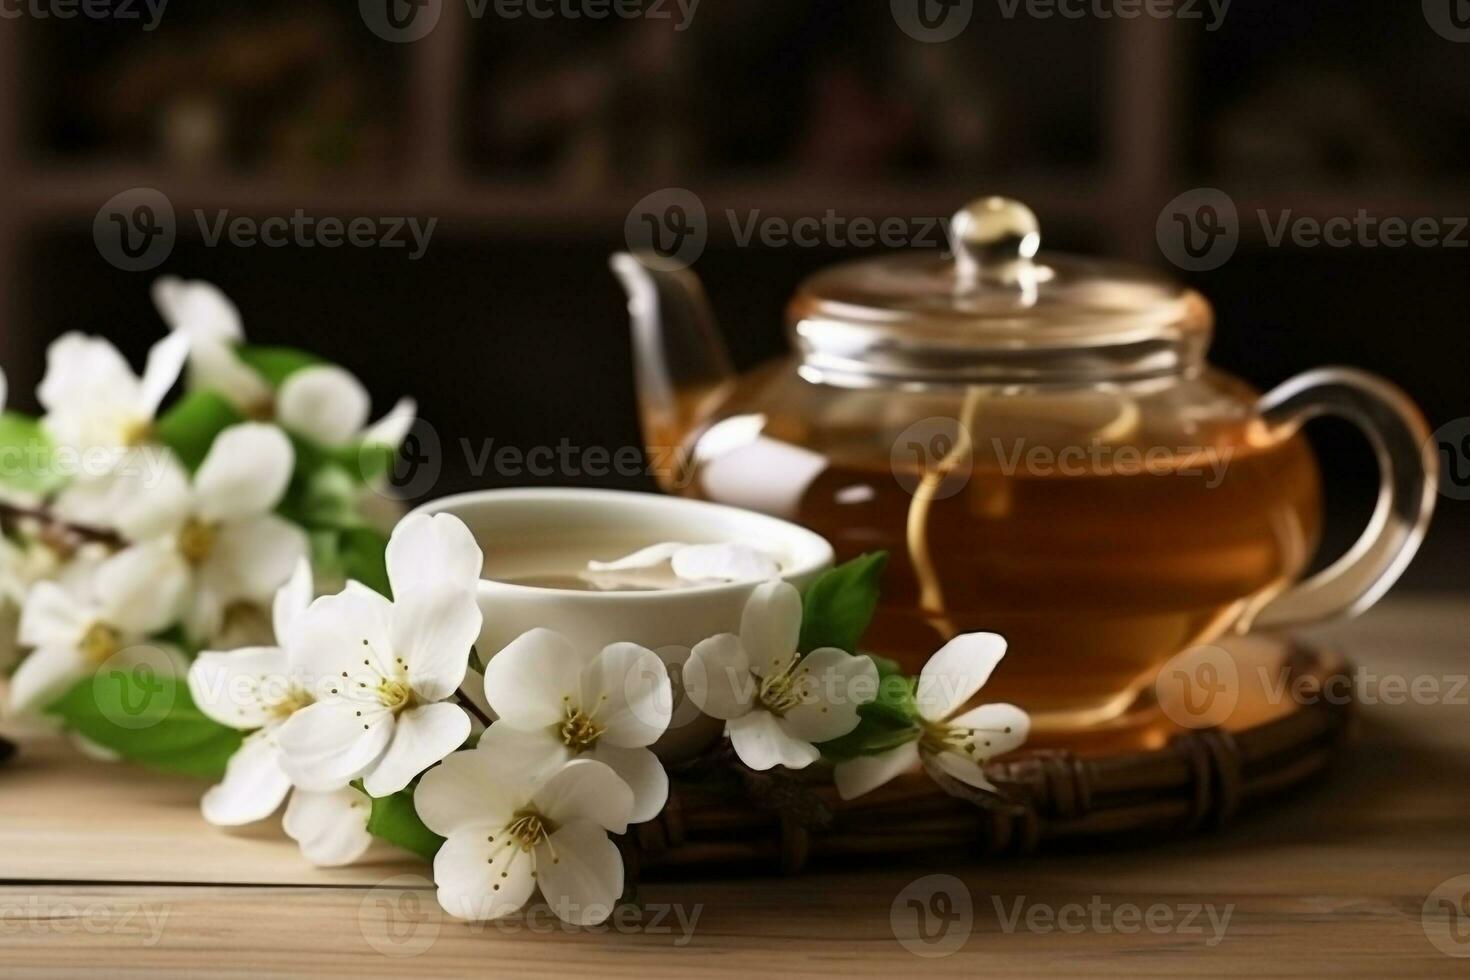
point(682, 369)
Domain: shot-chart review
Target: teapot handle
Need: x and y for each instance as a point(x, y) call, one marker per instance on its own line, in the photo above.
point(1408, 468)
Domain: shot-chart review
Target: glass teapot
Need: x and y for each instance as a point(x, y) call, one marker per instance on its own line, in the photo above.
point(1039, 444)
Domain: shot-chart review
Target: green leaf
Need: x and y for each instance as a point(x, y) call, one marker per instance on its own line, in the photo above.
point(190, 427)
point(363, 552)
point(839, 605)
point(26, 454)
point(276, 364)
point(148, 718)
point(888, 721)
point(395, 820)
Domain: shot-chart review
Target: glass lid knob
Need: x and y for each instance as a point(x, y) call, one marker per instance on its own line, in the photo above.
point(994, 239)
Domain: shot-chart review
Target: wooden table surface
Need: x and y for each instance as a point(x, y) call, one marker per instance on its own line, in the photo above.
point(106, 867)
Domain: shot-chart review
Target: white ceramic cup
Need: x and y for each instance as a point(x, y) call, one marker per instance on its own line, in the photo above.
point(669, 621)
point(672, 617)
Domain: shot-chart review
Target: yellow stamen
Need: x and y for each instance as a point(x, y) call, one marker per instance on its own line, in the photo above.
point(196, 541)
point(99, 642)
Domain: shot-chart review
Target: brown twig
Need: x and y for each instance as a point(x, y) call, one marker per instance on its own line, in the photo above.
point(66, 533)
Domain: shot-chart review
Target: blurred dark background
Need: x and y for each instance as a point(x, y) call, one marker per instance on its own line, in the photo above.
point(530, 139)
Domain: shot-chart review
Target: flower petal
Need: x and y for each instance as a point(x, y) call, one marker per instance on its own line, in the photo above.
point(528, 681)
point(335, 635)
point(433, 630)
point(650, 557)
point(717, 677)
point(724, 562)
point(967, 771)
point(855, 777)
point(253, 558)
point(292, 600)
point(245, 473)
point(770, 626)
point(54, 617)
point(480, 879)
point(253, 787)
point(44, 676)
point(585, 790)
point(217, 367)
point(145, 495)
point(324, 403)
point(838, 682)
point(643, 773)
point(331, 828)
point(997, 729)
point(141, 589)
point(524, 757)
point(242, 687)
point(627, 686)
point(84, 374)
point(464, 791)
point(761, 743)
point(953, 675)
point(580, 872)
point(165, 364)
point(432, 549)
point(197, 308)
point(422, 736)
point(328, 744)
point(393, 428)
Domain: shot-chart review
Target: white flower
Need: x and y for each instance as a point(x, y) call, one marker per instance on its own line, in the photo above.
point(776, 703)
point(98, 614)
point(94, 401)
point(506, 834)
point(217, 534)
point(200, 311)
point(324, 403)
point(693, 563)
point(556, 702)
point(252, 689)
point(330, 828)
point(382, 671)
point(957, 745)
point(329, 406)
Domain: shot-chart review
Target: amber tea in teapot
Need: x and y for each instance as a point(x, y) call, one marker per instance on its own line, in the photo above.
point(1040, 446)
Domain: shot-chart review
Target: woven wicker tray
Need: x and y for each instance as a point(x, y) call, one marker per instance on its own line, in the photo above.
point(1148, 779)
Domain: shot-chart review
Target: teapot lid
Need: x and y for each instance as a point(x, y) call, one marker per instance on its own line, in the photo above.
point(996, 310)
